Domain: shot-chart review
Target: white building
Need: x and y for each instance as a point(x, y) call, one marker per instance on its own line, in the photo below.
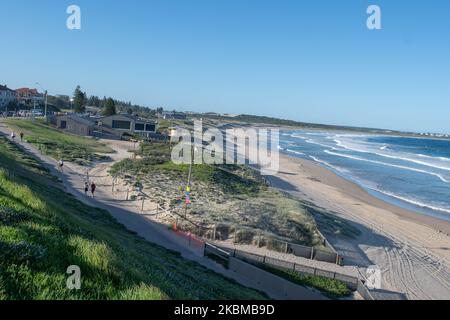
point(6, 96)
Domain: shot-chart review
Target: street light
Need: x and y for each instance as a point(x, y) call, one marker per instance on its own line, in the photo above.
point(71, 105)
point(46, 101)
point(188, 187)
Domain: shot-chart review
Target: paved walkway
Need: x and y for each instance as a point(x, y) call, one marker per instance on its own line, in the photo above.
point(149, 230)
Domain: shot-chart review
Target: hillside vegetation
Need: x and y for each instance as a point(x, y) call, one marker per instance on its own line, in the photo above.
point(43, 231)
point(229, 202)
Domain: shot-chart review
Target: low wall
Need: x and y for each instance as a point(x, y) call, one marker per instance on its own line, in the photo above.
point(364, 291)
point(321, 255)
point(268, 282)
point(350, 281)
point(301, 251)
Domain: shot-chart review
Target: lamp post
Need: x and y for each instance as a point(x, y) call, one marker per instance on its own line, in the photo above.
point(188, 187)
point(71, 105)
point(45, 101)
point(33, 114)
point(45, 109)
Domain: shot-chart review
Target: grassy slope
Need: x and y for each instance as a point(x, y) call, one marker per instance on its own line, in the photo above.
point(58, 144)
point(43, 230)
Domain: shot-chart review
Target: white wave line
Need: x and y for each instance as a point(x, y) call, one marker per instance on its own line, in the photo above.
point(414, 202)
point(340, 144)
point(388, 164)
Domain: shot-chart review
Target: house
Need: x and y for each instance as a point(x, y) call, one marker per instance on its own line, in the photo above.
point(172, 133)
point(6, 96)
point(29, 96)
point(172, 115)
point(93, 110)
point(128, 124)
point(75, 124)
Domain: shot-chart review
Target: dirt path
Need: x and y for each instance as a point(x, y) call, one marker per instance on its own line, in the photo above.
point(127, 213)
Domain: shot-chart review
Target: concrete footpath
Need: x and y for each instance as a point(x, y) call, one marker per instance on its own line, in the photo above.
point(151, 231)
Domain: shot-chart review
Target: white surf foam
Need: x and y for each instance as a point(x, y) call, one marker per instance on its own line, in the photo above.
point(319, 144)
point(434, 158)
point(411, 201)
point(388, 165)
point(295, 152)
point(327, 164)
point(423, 163)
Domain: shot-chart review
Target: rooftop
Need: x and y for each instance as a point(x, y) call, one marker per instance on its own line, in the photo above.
point(5, 88)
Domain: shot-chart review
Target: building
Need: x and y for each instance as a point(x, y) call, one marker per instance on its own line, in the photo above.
point(27, 96)
point(127, 124)
point(172, 115)
point(75, 124)
point(93, 110)
point(114, 127)
point(6, 96)
point(172, 133)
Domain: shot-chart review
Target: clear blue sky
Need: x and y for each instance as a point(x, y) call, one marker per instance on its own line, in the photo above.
point(304, 60)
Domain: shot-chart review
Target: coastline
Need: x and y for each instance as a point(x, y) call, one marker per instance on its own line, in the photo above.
point(412, 250)
point(352, 189)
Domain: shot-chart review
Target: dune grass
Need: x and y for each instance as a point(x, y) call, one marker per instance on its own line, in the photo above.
point(57, 144)
point(232, 199)
point(43, 231)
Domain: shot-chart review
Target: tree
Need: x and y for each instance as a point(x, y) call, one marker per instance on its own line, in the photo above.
point(79, 100)
point(58, 102)
point(110, 107)
point(11, 106)
point(94, 101)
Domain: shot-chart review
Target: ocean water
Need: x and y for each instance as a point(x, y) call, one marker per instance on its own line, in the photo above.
point(410, 172)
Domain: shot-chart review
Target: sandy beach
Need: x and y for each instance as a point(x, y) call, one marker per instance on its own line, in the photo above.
point(411, 249)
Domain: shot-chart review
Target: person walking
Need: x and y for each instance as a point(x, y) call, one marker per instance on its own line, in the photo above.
point(61, 165)
point(86, 188)
point(21, 137)
point(93, 187)
point(13, 136)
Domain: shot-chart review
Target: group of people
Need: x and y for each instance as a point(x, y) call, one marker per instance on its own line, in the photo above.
point(89, 186)
point(13, 136)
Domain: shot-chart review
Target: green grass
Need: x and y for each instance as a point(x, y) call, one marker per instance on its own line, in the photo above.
point(331, 288)
point(58, 144)
point(156, 157)
point(43, 230)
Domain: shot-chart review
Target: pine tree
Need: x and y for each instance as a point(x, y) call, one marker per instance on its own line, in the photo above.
point(110, 107)
point(79, 100)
